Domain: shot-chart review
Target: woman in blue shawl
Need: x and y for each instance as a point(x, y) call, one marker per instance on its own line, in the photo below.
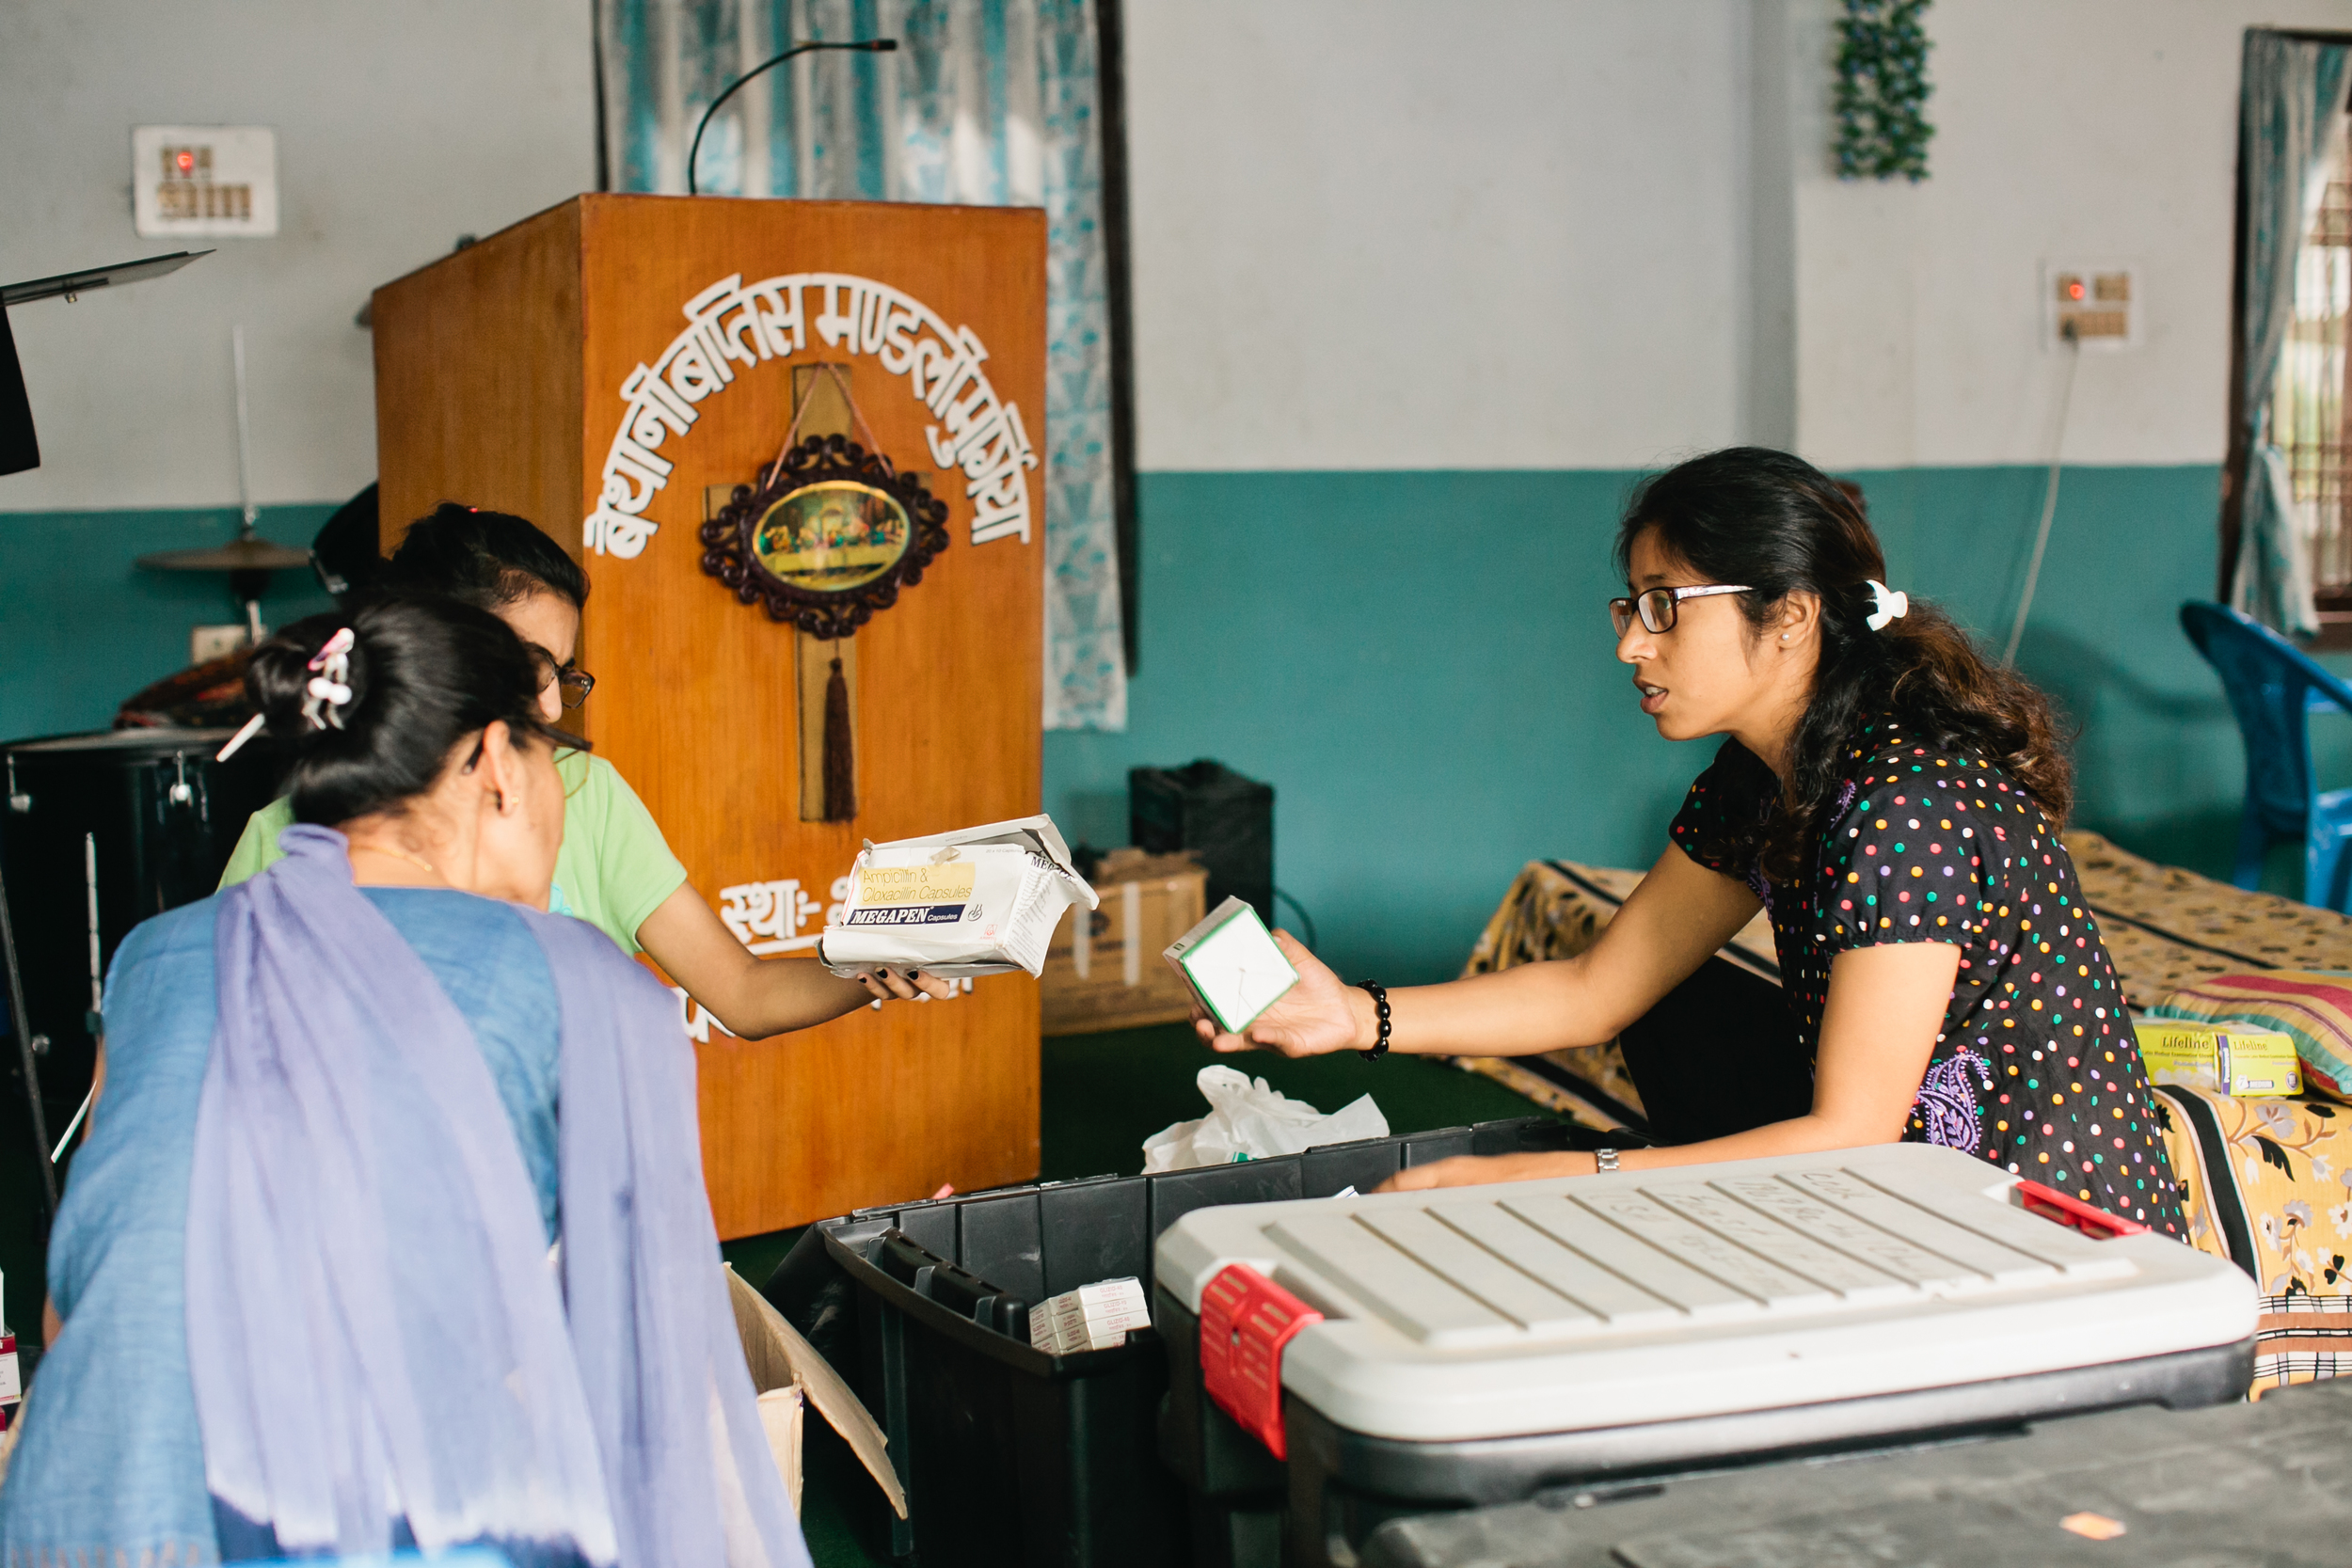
point(389, 1228)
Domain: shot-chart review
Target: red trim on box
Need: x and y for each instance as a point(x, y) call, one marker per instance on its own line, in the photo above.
point(2051, 1204)
point(1246, 1320)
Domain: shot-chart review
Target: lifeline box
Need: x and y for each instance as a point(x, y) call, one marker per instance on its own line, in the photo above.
point(1361, 1359)
point(2250, 1063)
point(1232, 966)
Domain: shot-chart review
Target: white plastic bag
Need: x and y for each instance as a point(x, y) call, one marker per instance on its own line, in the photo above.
point(1247, 1120)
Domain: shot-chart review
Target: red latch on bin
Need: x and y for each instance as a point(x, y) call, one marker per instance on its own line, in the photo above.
point(1246, 1320)
point(2051, 1204)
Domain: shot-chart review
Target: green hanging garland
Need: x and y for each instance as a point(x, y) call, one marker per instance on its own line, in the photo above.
point(1883, 88)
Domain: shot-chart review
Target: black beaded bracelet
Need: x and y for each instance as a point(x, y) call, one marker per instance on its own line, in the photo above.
point(1380, 994)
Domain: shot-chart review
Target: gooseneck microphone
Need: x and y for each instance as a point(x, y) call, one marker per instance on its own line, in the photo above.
point(869, 46)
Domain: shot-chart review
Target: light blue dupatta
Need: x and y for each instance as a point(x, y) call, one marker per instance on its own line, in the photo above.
point(379, 1347)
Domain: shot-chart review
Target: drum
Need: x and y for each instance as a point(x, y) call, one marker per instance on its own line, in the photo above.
point(97, 833)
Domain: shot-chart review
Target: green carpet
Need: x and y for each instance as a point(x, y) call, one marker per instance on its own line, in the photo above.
point(1102, 1096)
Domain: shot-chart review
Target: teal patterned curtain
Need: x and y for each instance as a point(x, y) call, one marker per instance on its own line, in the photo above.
point(2291, 93)
point(985, 101)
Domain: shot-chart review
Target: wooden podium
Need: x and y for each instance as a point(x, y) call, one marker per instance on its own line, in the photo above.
point(612, 369)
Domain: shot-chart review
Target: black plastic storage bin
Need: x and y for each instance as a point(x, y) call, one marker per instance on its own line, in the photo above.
point(2268, 1482)
point(1013, 1456)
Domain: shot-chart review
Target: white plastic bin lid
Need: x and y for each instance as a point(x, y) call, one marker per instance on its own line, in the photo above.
point(1586, 1303)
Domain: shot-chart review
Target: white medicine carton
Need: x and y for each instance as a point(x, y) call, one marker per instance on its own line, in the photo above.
point(977, 901)
point(1232, 966)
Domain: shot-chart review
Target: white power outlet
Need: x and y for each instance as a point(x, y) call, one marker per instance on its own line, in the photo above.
point(207, 643)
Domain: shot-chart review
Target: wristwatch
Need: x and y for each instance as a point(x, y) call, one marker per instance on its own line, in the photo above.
point(1605, 1159)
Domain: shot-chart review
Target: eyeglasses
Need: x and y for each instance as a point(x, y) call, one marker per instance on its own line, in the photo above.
point(1660, 607)
point(574, 683)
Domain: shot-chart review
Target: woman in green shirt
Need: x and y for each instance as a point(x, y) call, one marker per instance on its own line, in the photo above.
point(614, 870)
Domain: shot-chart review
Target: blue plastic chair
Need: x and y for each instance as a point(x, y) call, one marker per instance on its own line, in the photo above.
point(2274, 686)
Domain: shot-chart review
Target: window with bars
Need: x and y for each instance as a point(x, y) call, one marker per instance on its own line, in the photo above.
point(2311, 401)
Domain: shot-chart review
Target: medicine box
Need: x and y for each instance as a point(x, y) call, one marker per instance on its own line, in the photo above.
point(2249, 1063)
point(1093, 1317)
point(1232, 964)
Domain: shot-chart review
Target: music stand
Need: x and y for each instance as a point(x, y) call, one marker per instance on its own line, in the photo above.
point(19, 450)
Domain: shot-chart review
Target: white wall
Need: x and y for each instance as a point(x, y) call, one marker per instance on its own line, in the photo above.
point(1374, 234)
point(400, 126)
point(2065, 129)
point(1371, 234)
point(1513, 233)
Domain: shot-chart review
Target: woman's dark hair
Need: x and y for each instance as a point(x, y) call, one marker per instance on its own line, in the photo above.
point(485, 559)
point(424, 673)
point(1753, 515)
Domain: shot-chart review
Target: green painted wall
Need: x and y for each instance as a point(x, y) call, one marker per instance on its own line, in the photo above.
point(1421, 664)
point(82, 627)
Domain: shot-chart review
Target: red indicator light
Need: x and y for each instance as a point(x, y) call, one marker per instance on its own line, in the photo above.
point(2073, 289)
point(187, 161)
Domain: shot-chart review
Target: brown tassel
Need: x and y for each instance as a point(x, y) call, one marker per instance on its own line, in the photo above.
point(840, 760)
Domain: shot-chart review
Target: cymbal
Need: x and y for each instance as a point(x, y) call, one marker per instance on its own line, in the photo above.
point(238, 555)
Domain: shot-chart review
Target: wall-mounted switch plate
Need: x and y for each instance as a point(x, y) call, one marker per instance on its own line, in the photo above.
point(207, 643)
point(204, 180)
point(2101, 306)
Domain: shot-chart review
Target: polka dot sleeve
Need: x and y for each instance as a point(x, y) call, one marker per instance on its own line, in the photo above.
point(1717, 824)
point(1903, 863)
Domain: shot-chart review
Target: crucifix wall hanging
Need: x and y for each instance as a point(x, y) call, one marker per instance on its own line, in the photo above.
point(825, 539)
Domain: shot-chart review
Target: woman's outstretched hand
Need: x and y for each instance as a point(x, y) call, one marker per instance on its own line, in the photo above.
point(1315, 1016)
point(1475, 1170)
point(904, 985)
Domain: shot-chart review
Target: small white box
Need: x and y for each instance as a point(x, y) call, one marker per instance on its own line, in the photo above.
point(1093, 1317)
point(1232, 964)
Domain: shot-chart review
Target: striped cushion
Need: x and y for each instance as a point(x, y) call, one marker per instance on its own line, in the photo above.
point(2313, 1007)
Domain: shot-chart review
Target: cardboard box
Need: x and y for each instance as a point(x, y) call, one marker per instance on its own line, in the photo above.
point(2245, 1062)
point(788, 1375)
point(1114, 978)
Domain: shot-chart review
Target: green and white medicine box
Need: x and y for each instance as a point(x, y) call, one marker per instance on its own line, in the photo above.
point(1232, 966)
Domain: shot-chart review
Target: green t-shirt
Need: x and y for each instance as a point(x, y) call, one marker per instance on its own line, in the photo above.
point(614, 867)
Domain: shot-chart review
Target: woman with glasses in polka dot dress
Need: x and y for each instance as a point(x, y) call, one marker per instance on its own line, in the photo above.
point(1893, 800)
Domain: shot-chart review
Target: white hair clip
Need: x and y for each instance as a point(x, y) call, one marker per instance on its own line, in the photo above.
point(330, 682)
point(1892, 604)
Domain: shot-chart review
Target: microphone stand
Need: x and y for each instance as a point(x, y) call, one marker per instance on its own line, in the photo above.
point(871, 46)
